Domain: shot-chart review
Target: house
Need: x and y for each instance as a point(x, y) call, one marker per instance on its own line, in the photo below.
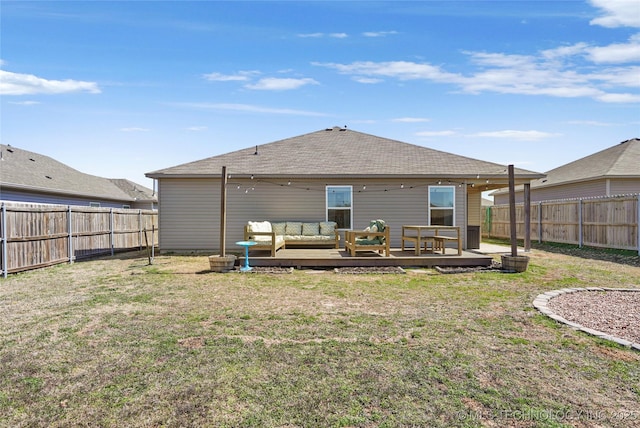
point(610, 172)
point(331, 174)
point(31, 177)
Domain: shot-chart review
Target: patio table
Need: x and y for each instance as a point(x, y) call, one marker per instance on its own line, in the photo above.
point(422, 234)
point(246, 245)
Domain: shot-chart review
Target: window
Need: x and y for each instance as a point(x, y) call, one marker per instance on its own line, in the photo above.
point(441, 205)
point(339, 205)
point(94, 204)
point(126, 206)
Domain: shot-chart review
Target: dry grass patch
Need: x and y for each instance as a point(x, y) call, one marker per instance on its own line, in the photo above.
point(115, 342)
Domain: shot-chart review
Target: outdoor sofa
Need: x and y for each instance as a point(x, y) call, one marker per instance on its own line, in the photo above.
point(275, 235)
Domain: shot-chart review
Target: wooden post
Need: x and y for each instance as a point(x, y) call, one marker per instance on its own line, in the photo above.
point(3, 235)
point(223, 211)
point(527, 217)
point(512, 212)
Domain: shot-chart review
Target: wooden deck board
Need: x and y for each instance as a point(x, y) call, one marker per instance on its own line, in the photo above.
point(331, 257)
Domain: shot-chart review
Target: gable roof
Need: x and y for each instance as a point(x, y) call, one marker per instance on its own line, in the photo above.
point(619, 161)
point(338, 152)
point(29, 171)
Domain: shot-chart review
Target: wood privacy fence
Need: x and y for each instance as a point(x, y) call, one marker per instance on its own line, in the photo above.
point(608, 222)
point(34, 236)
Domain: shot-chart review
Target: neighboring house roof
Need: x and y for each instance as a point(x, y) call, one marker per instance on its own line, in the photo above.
point(619, 161)
point(338, 152)
point(28, 171)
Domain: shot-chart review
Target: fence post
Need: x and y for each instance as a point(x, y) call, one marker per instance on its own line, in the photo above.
point(638, 222)
point(111, 235)
point(70, 230)
point(139, 229)
point(540, 222)
point(3, 236)
point(580, 231)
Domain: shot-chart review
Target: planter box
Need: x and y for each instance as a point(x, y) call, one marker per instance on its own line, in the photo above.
point(515, 263)
point(222, 263)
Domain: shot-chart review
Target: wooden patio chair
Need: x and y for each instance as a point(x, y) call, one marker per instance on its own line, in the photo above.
point(373, 238)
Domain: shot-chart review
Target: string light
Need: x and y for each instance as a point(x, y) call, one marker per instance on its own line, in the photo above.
point(318, 187)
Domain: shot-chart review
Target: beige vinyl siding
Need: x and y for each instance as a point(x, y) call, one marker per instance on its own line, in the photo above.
point(188, 217)
point(474, 202)
point(583, 189)
point(624, 186)
point(190, 210)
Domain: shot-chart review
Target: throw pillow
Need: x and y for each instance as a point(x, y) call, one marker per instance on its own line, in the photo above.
point(328, 228)
point(293, 228)
point(310, 229)
point(279, 228)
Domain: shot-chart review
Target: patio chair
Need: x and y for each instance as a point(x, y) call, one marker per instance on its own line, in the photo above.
point(374, 238)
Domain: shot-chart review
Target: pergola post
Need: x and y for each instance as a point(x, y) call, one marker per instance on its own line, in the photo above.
point(223, 211)
point(527, 217)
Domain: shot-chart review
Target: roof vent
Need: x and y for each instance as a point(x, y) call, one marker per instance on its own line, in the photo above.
point(329, 129)
point(10, 150)
point(32, 159)
point(46, 176)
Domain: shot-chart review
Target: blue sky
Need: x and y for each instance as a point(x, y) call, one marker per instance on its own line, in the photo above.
point(119, 89)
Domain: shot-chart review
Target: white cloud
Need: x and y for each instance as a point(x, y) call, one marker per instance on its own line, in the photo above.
point(411, 119)
point(196, 128)
point(617, 52)
point(25, 103)
point(403, 70)
point(563, 72)
point(28, 84)
point(515, 135)
point(240, 76)
point(617, 13)
point(320, 35)
point(436, 133)
point(367, 80)
point(311, 35)
point(378, 33)
point(249, 108)
point(589, 123)
point(619, 98)
point(134, 129)
point(280, 84)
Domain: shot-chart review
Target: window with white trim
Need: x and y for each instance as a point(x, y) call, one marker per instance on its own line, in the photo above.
point(339, 205)
point(442, 205)
point(94, 204)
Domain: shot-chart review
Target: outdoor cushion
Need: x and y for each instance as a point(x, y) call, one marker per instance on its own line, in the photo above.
point(260, 226)
point(310, 229)
point(374, 226)
point(293, 228)
point(279, 228)
point(327, 228)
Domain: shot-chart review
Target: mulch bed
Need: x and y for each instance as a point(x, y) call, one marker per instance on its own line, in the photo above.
point(493, 267)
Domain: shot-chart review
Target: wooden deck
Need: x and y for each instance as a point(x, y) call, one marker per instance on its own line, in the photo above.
point(329, 258)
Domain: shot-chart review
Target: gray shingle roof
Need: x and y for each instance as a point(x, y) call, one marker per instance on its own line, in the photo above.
point(25, 170)
point(619, 161)
point(338, 152)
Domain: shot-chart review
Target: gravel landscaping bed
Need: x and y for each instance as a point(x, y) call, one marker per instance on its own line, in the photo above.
point(379, 269)
point(613, 312)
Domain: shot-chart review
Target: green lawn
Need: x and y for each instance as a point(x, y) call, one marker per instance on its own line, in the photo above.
point(115, 342)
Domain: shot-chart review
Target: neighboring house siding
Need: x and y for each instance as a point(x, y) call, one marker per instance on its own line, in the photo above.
point(624, 186)
point(190, 210)
point(585, 189)
point(38, 198)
